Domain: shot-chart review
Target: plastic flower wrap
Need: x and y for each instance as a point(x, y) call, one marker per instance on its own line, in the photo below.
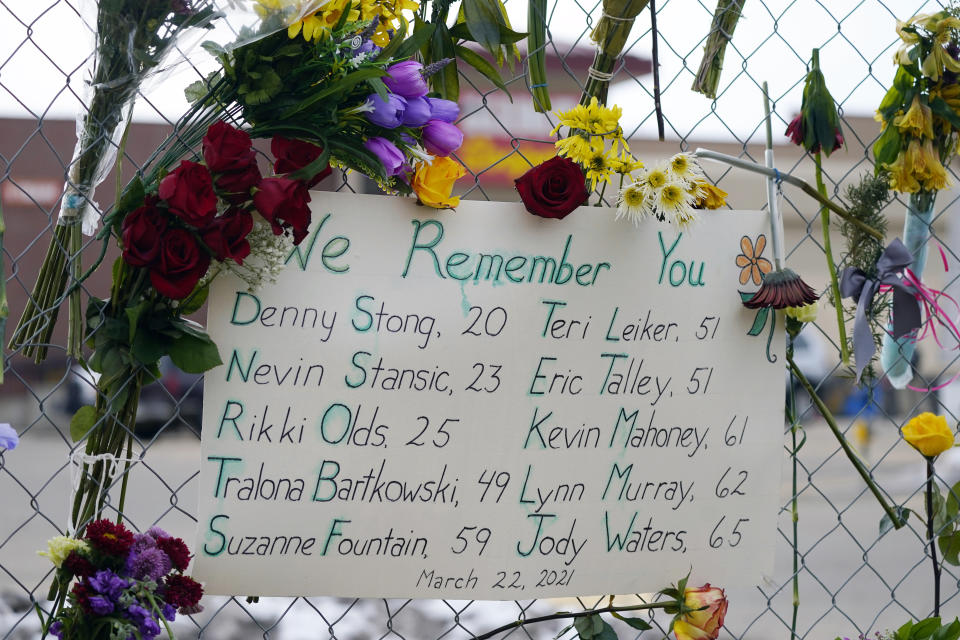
point(133, 40)
point(124, 584)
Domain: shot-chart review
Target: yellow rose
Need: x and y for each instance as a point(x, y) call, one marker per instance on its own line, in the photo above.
point(710, 607)
point(433, 182)
point(59, 547)
point(928, 434)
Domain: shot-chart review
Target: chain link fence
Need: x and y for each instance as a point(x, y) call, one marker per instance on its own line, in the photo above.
point(850, 579)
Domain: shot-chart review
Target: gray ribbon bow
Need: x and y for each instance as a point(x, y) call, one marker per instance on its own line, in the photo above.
point(854, 283)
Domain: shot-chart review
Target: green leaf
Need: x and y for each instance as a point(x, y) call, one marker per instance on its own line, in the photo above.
point(341, 86)
point(445, 82)
point(148, 347)
point(563, 631)
point(939, 510)
point(904, 632)
point(759, 322)
point(886, 523)
point(584, 627)
point(950, 548)
point(481, 64)
point(942, 109)
point(82, 421)
point(213, 48)
point(193, 302)
point(948, 631)
point(133, 318)
point(887, 146)
point(953, 501)
point(461, 31)
point(420, 36)
point(924, 629)
point(483, 21)
point(637, 623)
point(193, 354)
point(606, 631)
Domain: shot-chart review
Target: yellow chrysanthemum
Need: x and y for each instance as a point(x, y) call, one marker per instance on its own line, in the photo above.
point(625, 163)
point(656, 178)
point(674, 201)
point(917, 121)
point(634, 203)
point(593, 118)
point(578, 148)
point(598, 168)
point(389, 14)
point(685, 168)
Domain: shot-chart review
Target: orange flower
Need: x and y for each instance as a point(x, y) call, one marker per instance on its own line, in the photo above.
point(752, 266)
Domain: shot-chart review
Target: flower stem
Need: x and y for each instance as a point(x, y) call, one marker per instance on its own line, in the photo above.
point(831, 266)
point(857, 463)
point(933, 539)
point(570, 614)
point(794, 506)
point(654, 54)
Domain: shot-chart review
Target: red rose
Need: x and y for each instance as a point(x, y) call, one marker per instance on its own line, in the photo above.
point(141, 232)
point(181, 591)
point(176, 549)
point(227, 235)
point(235, 186)
point(283, 203)
point(552, 189)
point(227, 149)
point(180, 266)
point(79, 566)
point(295, 154)
point(188, 191)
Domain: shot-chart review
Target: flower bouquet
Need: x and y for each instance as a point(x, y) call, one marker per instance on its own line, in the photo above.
point(593, 152)
point(920, 115)
point(133, 39)
point(125, 585)
point(179, 225)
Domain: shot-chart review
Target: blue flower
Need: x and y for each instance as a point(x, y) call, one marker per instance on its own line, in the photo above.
point(417, 113)
point(386, 113)
point(149, 564)
point(169, 612)
point(8, 436)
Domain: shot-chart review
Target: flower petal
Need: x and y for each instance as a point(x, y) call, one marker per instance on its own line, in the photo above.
point(764, 265)
point(743, 261)
point(745, 274)
point(746, 246)
point(760, 245)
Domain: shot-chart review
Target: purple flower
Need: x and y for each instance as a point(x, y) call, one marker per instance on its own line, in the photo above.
point(144, 620)
point(417, 113)
point(441, 138)
point(157, 532)
point(142, 542)
point(405, 79)
point(100, 605)
point(169, 612)
point(106, 582)
point(446, 110)
point(8, 436)
point(57, 629)
point(387, 114)
point(388, 154)
point(149, 564)
point(366, 46)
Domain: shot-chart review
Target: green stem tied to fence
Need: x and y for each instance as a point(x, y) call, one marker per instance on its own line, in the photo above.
point(892, 514)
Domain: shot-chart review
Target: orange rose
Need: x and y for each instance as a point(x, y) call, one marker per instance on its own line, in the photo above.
point(433, 182)
point(705, 623)
point(929, 434)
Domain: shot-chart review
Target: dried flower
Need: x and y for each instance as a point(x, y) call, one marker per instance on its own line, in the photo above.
point(782, 289)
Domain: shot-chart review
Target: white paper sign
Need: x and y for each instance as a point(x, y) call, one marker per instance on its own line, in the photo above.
point(486, 404)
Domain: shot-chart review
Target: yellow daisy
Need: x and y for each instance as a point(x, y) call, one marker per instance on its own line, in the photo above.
point(598, 168)
point(579, 148)
point(634, 202)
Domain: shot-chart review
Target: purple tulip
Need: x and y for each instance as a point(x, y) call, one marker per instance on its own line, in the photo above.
point(441, 138)
point(8, 436)
point(387, 114)
point(405, 79)
point(417, 113)
point(388, 154)
point(446, 110)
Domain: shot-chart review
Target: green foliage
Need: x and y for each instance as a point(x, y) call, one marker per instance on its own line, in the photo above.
point(82, 421)
point(821, 123)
